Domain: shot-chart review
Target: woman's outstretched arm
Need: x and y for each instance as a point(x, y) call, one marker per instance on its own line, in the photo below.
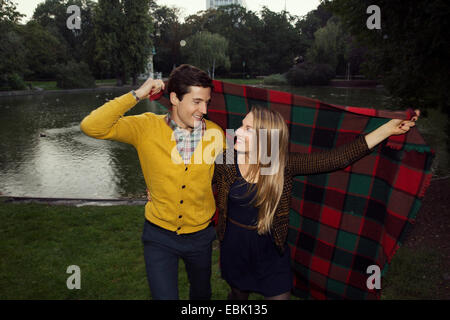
point(343, 156)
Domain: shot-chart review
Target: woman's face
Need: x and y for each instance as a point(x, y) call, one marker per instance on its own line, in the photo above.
point(245, 135)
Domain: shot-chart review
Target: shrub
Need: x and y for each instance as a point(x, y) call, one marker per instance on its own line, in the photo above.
point(74, 75)
point(12, 81)
point(310, 74)
point(275, 79)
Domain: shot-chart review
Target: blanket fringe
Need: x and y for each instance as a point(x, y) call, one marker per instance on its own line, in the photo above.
point(407, 147)
point(425, 185)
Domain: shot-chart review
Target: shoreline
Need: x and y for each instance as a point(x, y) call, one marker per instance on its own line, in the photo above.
point(16, 93)
point(40, 92)
point(77, 202)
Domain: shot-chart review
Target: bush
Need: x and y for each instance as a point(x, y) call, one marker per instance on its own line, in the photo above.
point(310, 74)
point(74, 75)
point(12, 81)
point(276, 80)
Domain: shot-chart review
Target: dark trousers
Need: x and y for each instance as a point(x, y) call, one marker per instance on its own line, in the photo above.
point(163, 248)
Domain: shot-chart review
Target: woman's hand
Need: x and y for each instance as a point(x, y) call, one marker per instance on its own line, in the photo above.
point(397, 126)
point(149, 197)
point(393, 127)
point(149, 87)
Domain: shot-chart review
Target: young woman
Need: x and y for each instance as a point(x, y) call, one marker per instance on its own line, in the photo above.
point(254, 207)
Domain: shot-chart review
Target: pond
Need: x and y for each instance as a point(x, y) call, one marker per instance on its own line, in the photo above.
point(43, 153)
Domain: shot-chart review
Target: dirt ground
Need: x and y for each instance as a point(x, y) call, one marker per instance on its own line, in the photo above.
point(432, 228)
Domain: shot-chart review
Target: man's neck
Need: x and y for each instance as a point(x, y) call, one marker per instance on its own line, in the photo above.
point(178, 121)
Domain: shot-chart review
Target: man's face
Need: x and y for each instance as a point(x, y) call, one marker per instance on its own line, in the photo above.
point(191, 108)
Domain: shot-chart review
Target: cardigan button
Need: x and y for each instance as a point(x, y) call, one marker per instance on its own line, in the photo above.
point(183, 186)
point(178, 228)
point(181, 201)
point(185, 169)
point(180, 216)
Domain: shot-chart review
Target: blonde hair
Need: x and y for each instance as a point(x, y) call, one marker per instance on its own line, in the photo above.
point(269, 188)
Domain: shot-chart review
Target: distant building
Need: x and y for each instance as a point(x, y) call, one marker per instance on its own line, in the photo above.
point(218, 3)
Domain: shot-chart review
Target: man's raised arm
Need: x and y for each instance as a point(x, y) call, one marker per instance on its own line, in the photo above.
point(107, 121)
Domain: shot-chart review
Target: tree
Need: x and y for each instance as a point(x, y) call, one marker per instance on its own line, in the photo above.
point(409, 53)
point(307, 25)
point(280, 39)
point(43, 50)
point(78, 44)
point(328, 46)
point(167, 34)
point(12, 49)
point(9, 13)
point(207, 51)
point(108, 22)
point(137, 35)
point(243, 30)
point(122, 32)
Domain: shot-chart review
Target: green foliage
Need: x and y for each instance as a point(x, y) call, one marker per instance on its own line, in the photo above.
point(108, 25)
point(267, 42)
point(12, 50)
point(307, 25)
point(280, 40)
point(8, 12)
point(43, 50)
point(137, 36)
point(122, 32)
point(167, 34)
point(409, 53)
point(275, 79)
point(207, 51)
point(12, 81)
point(77, 44)
point(328, 46)
point(310, 74)
point(74, 75)
point(16, 82)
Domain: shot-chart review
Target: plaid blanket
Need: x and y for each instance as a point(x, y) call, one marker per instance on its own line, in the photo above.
point(345, 221)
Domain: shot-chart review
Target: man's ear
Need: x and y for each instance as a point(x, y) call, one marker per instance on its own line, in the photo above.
point(174, 99)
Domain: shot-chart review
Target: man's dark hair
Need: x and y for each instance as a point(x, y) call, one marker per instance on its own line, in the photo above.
point(184, 76)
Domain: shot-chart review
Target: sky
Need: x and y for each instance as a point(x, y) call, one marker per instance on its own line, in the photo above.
point(294, 7)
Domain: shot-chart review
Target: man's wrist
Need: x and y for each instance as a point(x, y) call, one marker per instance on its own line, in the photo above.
point(135, 95)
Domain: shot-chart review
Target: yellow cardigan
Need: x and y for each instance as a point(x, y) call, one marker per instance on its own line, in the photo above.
point(182, 197)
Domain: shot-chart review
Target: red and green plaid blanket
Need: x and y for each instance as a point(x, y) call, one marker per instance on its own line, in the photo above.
point(345, 221)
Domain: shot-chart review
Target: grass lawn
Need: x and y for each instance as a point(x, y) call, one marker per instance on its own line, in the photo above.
point(242, 81)
point(38, 242)
point(46, 85)
point(51, 85)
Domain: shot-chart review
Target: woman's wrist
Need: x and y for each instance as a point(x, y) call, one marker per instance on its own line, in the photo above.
point(378, 135)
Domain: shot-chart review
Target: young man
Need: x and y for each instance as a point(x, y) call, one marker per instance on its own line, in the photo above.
point(173, 151)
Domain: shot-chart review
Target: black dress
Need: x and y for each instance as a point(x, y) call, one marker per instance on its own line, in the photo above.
point(251, 262)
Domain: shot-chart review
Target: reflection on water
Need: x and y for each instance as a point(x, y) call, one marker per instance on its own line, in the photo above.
point(43, 153)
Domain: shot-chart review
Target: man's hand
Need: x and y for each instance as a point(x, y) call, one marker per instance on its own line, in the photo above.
point(149, 87)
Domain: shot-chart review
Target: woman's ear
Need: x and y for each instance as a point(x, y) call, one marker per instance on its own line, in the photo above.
point(174, 99)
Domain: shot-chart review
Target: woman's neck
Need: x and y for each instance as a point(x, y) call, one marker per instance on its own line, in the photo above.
point(244, 165)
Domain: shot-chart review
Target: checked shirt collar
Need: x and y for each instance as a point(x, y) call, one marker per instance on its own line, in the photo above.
point(186, 140)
